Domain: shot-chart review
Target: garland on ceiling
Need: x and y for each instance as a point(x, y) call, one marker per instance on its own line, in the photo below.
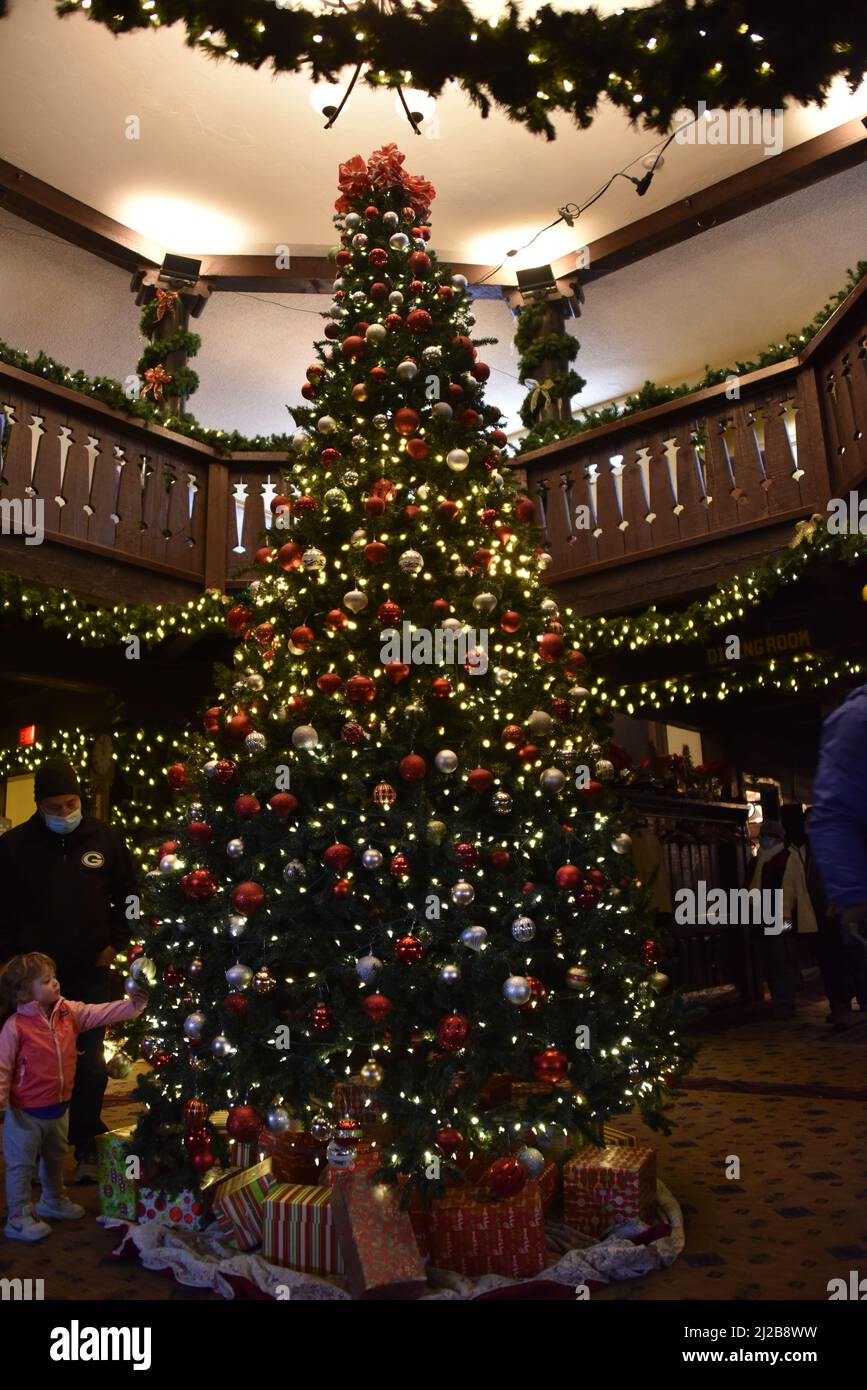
point(548, 432)
point(651, 62)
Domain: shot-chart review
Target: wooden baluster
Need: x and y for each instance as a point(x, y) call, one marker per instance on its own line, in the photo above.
point(566, 489)
point(93, 451)
point(36, 433)
point(66, 442)
point(616, 465)
point(789, 417)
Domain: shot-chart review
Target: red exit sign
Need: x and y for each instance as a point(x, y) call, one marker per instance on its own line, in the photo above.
point(27, 736)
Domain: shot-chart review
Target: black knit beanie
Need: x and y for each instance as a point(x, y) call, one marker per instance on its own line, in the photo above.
point(55, 778)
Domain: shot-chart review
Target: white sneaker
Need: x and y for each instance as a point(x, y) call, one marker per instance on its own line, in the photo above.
point(86, 1170)
point(61, 1208)
point(26, 1227)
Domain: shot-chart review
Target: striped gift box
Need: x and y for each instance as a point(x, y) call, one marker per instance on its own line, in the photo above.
point(298, 1229)
point(239, 1199)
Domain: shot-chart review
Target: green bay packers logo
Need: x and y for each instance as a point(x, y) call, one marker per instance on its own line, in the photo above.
point(93, 859)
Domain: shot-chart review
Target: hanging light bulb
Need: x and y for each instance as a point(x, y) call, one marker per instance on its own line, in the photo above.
point(422, 106)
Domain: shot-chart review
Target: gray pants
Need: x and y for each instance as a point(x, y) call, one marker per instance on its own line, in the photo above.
point(27, 1139)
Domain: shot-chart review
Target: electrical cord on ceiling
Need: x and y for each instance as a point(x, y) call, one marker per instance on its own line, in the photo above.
point(570, 212)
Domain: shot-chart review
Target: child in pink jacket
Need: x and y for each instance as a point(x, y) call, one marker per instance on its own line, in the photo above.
point(37, 1069)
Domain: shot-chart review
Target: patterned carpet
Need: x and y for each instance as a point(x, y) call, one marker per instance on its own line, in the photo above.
point(785, 1098)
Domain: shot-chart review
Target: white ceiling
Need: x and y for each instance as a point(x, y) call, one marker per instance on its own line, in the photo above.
point(233, 160)
point(245, 151)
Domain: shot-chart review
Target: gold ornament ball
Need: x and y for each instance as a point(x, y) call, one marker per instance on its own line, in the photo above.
point(359, 391)
point(372, 1074)
point(263, 981)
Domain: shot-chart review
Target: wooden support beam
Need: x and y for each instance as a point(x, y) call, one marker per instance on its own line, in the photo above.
point(763, 182)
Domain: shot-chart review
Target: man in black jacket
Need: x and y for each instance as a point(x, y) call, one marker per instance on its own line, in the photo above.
point(68, 888)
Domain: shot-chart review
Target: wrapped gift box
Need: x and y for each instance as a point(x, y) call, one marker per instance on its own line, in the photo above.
point(472, 1236)
point(295, 1158)
point(243, 1153)
point(184, 1209)
point(359, 1102)
point(603, 1187)
point(376, 1237)
point(118, 1194)
point(298, 1229)
point(238, 1201)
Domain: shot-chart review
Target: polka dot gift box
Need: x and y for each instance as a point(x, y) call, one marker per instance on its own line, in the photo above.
point(184, 1210)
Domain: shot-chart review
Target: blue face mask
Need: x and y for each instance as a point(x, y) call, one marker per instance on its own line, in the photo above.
point(64, 825)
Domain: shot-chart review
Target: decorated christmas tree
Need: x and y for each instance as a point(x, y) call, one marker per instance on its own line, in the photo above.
point(398, 860)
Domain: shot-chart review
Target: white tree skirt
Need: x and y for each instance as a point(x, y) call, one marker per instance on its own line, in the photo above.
point(201, 1260)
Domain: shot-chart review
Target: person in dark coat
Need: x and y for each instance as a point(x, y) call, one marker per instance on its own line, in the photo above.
point(68, 888)
point(838, 839)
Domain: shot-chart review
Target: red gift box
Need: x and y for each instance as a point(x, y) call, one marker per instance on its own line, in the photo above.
point(298, 1229)
point(376, 1237)
point(295, 1158)
point(602, 1188)
point(476, 1237)
point(357, 1101)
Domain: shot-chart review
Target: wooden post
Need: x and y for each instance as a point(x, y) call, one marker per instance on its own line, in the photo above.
point(554, 322)
point(178, 317)
point(217, 528)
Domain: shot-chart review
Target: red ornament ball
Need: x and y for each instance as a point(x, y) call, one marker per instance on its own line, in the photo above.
point(406, 420)
point(360, 690)
point(225, 771)
point(551, 1065)
point(199, 885)
point(506, 1177)
point(591, 793)
point(468, 855)
point(568, 877)
point(177, 776)
point(389, 613)
point(512, 736)
point(384, 794)
point(409, 950)
point(551, 647)
point(449, 1140)
point(238, 617)
point(376, 553)
point(399, 866)
point(289, 555)
point(240, 725)
point(237, 1006)
point(321, 1018)
point(412, 768)
point(440, 688)
point(500, 860)
point(511, 621)
point(337, 857)
point(377, 1007)
point(301, 636)
point(353, 346)
point(525, 510)
point(419, 321)
point(480, 779)
point(328, 683)
point(453, 1032)
point(247, 898)
point(246, 807)
point(167, 847)
point(352, 733)
point(244, 1122)
point(417, 449)
point(341, 888)
point(560, 709)
point(441, 606)
point(336, 619)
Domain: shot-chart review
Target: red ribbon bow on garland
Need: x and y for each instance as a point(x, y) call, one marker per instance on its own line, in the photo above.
point(156, 378)
point(165, 301)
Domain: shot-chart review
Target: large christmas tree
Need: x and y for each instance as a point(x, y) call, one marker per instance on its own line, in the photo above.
point(399, 857)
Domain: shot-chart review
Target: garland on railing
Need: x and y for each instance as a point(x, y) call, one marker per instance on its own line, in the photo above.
point(650, 61)
point(95, 626)
point(811, 544)
point(651, 394)
point(111, 393)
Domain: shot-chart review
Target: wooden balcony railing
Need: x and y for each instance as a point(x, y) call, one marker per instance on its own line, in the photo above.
point(698, 469)
point(704, 467)
point(118, 489)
